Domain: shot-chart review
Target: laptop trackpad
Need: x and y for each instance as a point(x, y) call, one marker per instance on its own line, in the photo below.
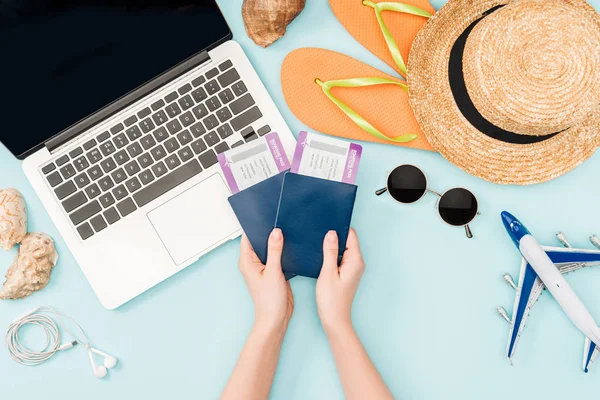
point(195, 220)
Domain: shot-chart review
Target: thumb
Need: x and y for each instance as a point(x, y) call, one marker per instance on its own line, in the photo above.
point(275, 248)
point(330, 253)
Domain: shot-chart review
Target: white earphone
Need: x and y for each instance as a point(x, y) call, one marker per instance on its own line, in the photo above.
point(40, 317)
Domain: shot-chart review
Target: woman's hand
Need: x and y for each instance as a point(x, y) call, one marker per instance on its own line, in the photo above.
point(271, 293)
point(337, 286)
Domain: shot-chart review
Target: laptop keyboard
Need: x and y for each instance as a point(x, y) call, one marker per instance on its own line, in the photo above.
point(154, 150)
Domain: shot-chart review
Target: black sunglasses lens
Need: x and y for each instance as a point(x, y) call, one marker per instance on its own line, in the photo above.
point(458, 206)
point(407, 184)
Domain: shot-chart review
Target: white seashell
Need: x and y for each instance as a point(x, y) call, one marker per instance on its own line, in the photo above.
point(31, 268)
point(267, 20)
point(13, 218)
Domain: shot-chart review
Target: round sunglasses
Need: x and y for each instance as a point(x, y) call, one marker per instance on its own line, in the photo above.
point(408, 184)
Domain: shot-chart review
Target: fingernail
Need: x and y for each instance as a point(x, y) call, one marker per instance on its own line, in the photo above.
point(276, 234)
point(331, 236)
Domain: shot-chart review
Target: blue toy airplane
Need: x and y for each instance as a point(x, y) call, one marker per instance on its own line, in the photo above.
point(543, 267)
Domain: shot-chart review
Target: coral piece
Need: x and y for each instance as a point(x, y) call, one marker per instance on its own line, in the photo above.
point(31, 269)
point(266, 20)
point(13, 218)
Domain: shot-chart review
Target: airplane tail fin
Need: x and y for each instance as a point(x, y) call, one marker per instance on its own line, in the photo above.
point(590, 351)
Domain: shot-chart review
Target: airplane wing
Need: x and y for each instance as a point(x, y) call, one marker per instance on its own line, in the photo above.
point(530, 288)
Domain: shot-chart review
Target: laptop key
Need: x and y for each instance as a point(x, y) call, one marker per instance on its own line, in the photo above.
point(95, 172)
point(147, 125)
point(85, 231)
point(239, 88)
point(103, 136)
point(106, 200)
point(107, 148)
point(184, 89)
point(81, 163)
point(184, 137)
point(224, 114)
point(199, 146)
point(208, 158)
point(108, 165)
point(198, 81)
point(67, 171)
point(159, 169)
point(98, 223)
point(174, 126)
point(157, 105)
point(85, 212)
point(134, 149)
point(74, 201)
point(211, 138)
point(82, 180)
point(221, 147)
point(225, 131)
point(212, 87)
point(185, 154)
point(89, 144)
point(133, 184)
point(119, 176)
point(62, 160)
point(133, 133)
point(210, 122)
point(172, 161)
point(117, 128)
point(76, 152)
point(121, 157)
point(145, 160)
point(224, 66)
point(147, 142)
point(92, 191)
point(120, 141)
point(105, 183)
point(245, 119)
point(146, 177)
point(144, 113)
point(264, 130)
point(160, 118)
point(200, 111)
point(94, 156)
point(126, 207)
point(228, 77)
point(173, 110)
point(48, 168)
point(167, 182)
point(111, 215)
point(237, 144)
point(226, 96)
point(132, 168)
point(213, 103)
point(242, 104)
point(64, 190)
point(212, 73)
point(171, 145)
point(161, 134)
point(187, 119)
point(252, 137)
point(158, 152)
point(197, 130)
point(171, 97)
point(199, 95)
point(130, 120)
point(185, 102)
point(54, 179)
point(119, 192)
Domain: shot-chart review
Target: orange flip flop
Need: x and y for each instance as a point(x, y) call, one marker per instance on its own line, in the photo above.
point(338, 95)
point(386, 28)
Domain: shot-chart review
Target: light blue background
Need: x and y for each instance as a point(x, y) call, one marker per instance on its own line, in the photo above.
point(425, 309)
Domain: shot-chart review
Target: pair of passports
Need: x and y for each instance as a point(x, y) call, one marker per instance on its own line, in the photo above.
point(305, 209)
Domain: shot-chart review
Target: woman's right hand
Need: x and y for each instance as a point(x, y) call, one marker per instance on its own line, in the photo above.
point(337, 286)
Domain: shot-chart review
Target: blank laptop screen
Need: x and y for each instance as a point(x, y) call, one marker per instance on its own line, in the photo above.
point(61, 61)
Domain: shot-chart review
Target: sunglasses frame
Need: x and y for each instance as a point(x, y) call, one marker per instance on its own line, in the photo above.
point(386, 189)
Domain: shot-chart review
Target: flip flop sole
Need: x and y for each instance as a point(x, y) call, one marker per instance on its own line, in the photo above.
point(361, 22)
point(386, 107)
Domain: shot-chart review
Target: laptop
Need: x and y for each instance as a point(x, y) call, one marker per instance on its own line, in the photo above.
point(118, 109)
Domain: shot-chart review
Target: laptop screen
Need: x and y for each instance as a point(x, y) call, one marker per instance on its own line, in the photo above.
point(61, 61)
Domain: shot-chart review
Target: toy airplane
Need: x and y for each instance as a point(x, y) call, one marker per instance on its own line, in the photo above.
point(543, 267)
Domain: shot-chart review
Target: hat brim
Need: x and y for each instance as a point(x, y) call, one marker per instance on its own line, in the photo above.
point(461, 143)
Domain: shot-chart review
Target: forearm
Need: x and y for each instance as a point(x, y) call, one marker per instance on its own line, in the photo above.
point(359, 377)
point(253, 374)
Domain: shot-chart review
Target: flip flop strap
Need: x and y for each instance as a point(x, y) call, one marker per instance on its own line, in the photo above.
point(353, 115)
point(389, 39)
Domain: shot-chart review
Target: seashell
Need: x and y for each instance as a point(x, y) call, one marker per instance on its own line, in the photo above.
point(13, 218)
point(31, 268)
point(266, 20)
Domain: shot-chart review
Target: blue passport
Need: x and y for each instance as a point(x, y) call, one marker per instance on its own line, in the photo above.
point(308, 209)
point(256, 210)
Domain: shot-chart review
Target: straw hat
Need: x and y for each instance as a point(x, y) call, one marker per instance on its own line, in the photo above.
point(509, 91)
